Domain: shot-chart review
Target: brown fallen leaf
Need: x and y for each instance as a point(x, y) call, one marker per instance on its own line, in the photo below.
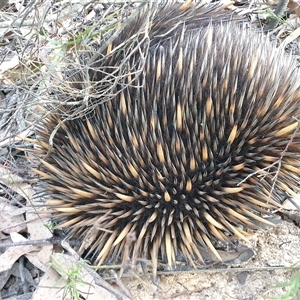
point(294, 6)
point(8, 258)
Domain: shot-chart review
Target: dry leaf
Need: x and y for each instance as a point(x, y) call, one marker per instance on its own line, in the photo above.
point(50, 287)
point(35, 224)
point(38, 231)
point(37, 258)
point(12, 219)
point(12, 254)
point(294, 6)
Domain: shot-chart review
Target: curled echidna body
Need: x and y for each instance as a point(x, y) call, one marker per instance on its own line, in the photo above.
point(193, 149)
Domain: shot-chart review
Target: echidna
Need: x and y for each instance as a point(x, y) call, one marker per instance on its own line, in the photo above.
point(194, 149)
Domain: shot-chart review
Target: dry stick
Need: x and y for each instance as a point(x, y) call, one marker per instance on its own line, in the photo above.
point(52, 241)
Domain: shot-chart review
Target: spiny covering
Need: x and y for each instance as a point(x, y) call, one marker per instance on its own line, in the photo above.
point(200, 144)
